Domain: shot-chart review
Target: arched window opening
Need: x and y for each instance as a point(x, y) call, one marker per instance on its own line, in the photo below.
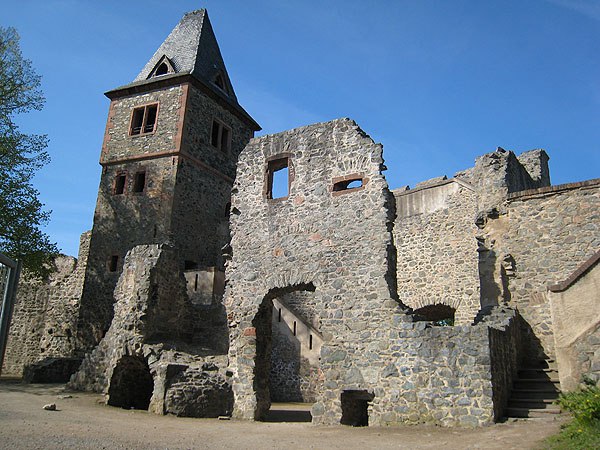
point(439, 315)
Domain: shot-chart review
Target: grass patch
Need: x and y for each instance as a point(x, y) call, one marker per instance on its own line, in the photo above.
point(583, 432)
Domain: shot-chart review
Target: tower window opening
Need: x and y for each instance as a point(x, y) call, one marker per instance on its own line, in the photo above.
point(278, 179)
point(139, 182)
point(113, 263)
point(279, 315)
point(310, 342)
point(220, 136)
point(143, 120)
point(120, 180)
point(294, 328)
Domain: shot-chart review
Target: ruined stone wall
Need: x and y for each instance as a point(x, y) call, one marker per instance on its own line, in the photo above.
point(434, 233)
point(337, 241)
point(153, 326)
point(544, 236)
point(338, 244)
point(44, 318)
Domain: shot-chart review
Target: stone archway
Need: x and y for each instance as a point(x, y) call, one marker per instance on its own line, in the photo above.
point(131, 384)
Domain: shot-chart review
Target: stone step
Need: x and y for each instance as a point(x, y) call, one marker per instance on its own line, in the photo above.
point(529, 373)
point(517, 394)
point(542, 364)
point(537, 384)
point(526, 412)
point(532, 403)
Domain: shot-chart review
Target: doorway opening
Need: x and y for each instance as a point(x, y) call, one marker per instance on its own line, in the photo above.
point(131, 384)
point(355, 408)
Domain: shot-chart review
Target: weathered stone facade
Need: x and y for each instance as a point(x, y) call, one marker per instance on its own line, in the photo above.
point(213, 288)
point(45, 316)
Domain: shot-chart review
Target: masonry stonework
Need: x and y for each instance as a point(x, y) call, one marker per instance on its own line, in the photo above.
point(213, 289)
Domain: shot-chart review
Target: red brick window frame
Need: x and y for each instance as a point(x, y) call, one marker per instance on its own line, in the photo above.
point(143, 120)
point(275, 164)
point(348, 183)
point(220, 136)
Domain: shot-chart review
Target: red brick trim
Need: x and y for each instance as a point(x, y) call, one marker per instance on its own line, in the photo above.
point(148, 156)
point(531, 193)
point(578, 273)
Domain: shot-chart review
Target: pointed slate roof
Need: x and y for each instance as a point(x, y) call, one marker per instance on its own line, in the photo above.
point(191, 49)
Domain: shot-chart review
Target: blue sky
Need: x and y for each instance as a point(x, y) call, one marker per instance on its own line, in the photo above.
point(437, 82)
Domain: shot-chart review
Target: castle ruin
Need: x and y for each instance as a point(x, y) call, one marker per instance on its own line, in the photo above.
point(225, 272)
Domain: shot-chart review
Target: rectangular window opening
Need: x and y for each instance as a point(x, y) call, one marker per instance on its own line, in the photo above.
point(143, 120)
point(294, 328)
point(120, 183)
point(196, 283)
point(310, 344)
point(139, 182)
point(279, 315)
point(113, 263)
point(220, 136)
point(278, 179)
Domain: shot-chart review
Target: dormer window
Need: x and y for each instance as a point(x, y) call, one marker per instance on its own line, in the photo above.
point(163, 67)
point(220, 82)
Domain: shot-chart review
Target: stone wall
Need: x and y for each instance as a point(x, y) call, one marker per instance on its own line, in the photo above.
point(338, 245)
point(434, 233)
point(44, 318)
point(544, 236)
point(575, 306)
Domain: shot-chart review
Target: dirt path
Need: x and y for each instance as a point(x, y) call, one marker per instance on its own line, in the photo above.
point(81, 422)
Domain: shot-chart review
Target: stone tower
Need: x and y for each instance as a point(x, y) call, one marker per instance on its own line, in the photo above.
point(168, 160)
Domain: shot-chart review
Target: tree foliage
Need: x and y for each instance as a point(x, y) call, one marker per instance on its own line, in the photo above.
point(21, 156)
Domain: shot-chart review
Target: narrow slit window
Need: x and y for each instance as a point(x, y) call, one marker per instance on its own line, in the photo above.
point(310, 344)
point(279, 315)
point(113, 263)
point(119, 187)
point(143, 120)
point(294, 328)
point(196, 283)
point(278, 179)
point(139, 182)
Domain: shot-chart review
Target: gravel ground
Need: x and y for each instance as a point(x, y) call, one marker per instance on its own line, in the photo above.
point(82, 422)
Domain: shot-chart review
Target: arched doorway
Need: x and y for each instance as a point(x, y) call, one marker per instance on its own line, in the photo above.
point(131, 384)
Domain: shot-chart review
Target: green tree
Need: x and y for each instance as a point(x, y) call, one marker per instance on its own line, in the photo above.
point(21, 155)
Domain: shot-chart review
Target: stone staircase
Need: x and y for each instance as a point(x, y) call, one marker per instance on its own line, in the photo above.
point(535, 391)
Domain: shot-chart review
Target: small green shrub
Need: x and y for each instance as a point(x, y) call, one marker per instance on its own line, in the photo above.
point(583, 403)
